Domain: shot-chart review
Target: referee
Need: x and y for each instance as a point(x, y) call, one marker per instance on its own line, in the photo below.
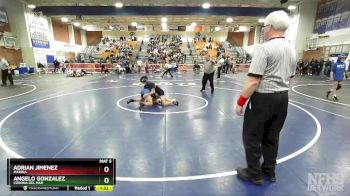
point(272, 67)
point(5, 72)
point(209, 69)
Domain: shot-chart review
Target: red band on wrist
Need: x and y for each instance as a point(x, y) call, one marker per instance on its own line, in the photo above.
point(241, 101)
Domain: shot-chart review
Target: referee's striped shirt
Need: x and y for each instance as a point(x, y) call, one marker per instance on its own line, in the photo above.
point(275, 62)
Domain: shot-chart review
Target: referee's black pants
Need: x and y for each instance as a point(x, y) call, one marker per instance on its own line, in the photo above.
point(57, 67)
point(205, 79)
point(263, 120)
point(219, 71)
point(167, 71)
point(4, 75)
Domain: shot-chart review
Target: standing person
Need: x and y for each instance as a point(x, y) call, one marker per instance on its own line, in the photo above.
point(102, 65)
point(337, 74)
point(320, 67)
point(5, 71)
point(306, 67)
point(139, 64)
point(64, 66)
point(347, 68)
point(300, 66)
point(221, 62)
point(311, 67)
point(146, 66)
point(167, 68)
point(315, 67)
point(209, 69)
point(327, 68)
point(56, 65)
point(226, 64)
point(233, 65)
point(272, 67)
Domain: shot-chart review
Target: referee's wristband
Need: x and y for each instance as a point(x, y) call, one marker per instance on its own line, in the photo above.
point(241, 101)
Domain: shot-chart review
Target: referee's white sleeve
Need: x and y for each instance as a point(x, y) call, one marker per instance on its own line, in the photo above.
point(6, 63)
point(294, 63)
point(259, 61)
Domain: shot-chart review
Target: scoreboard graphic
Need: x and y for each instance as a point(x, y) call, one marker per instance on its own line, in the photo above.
point(61, 174)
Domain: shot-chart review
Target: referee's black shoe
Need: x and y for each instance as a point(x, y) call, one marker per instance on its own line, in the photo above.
point(270, 176)
point(243, 174)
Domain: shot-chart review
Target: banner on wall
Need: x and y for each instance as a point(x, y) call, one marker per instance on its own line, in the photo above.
point(50, 58)
point(336, 9)
point(9, 42)
point(3, 17)
point(39, 31)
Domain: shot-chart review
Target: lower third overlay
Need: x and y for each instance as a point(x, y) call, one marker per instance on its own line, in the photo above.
point(61, 174)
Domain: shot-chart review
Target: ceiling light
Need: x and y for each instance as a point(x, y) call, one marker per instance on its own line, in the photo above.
point(118, 5)
point(164, 19)
point(229, 19)
point(193, 24)
point(164, 24)
point(134, 24)
point(111, 27)
point(243, 28)
point(217, 28)
point(76, 24)
point(292, 7)
point(261, 20)
point(64, 19)
point(206, 5)
point(31, 6)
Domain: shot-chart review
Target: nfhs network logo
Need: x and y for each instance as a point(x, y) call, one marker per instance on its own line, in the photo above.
point(325, 183)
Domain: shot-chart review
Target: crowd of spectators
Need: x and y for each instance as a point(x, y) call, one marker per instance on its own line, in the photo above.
point(162, 47)
point(314, 67)
point(119, 49)
point(319, 67)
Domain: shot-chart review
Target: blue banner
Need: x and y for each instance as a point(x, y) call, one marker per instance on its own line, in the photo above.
point(338, 10)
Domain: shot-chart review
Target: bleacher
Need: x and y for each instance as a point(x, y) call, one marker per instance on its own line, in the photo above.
point(103, 51)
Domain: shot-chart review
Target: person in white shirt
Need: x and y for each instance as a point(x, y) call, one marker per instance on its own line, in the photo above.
point(155, 51)
point(220, 64)
point(5, 71)
point(139, 64)
point(209, 70)
point(167, 68)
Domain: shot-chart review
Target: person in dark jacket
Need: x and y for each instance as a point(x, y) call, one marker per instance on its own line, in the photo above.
point(56, 65)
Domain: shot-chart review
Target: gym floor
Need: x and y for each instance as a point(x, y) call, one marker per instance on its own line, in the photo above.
point(190, 149)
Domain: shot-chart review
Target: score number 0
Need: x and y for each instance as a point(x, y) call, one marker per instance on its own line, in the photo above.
point(106, 170)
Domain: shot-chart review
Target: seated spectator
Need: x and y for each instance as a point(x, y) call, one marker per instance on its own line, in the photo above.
point(42, 68)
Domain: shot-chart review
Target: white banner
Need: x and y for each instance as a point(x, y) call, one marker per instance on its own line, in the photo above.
point(39, 31)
